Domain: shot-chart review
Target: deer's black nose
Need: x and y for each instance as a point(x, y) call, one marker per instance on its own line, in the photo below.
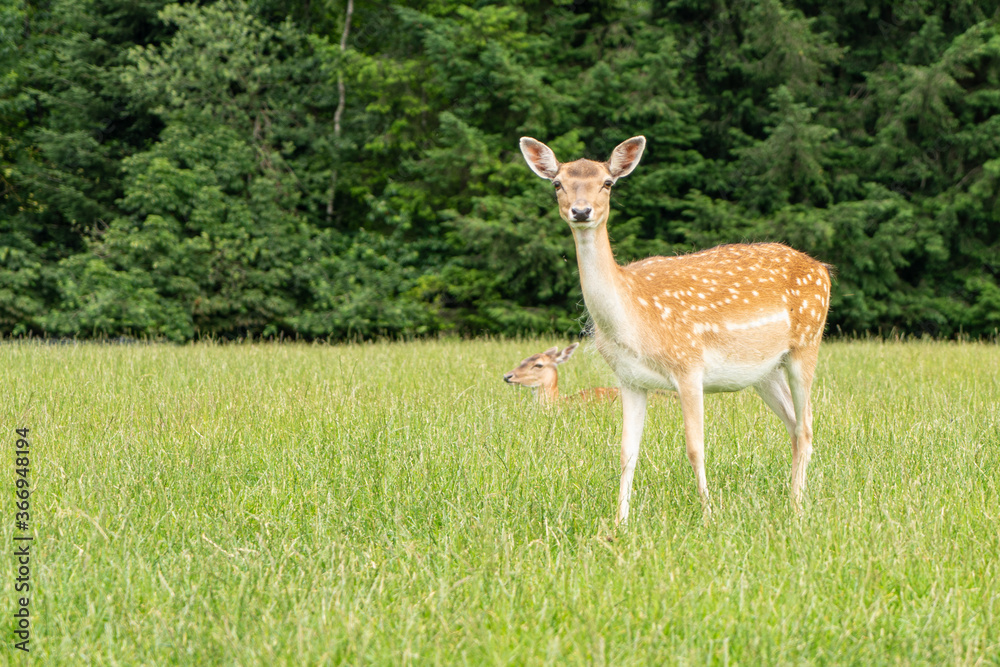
point(507, 377)
point(580, 214)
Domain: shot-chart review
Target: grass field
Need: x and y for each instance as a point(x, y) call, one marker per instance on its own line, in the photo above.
point(397, 504)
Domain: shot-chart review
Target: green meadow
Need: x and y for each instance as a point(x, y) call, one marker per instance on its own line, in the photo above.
point(397, 503)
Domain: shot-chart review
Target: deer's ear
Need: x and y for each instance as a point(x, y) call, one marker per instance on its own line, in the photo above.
point(567, 353)
point(539, 157)
point(551, 352)
point(626, 156)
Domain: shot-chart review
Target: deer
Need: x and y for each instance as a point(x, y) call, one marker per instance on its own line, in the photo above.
point(719, 320)
point(539, 373)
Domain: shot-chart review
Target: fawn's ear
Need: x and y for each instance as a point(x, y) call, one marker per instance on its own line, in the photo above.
point(567, 353)
point(625, 156)
point(539, 157)
point(551, 352)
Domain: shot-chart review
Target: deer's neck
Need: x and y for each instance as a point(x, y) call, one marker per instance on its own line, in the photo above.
point(604, 289)
point(548, 394)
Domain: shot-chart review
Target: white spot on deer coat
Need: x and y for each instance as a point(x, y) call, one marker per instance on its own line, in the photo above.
point(771, 318)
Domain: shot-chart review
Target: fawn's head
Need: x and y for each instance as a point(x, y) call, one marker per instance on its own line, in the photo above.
point(539, 370)
point(583, 187)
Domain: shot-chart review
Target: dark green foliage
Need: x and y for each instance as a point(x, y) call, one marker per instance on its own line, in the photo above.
point(172, 170)
point(66, 122)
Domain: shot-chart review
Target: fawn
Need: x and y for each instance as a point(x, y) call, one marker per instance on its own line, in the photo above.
point(539, 373)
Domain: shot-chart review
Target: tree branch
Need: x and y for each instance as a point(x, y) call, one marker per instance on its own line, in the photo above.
point(339, 113)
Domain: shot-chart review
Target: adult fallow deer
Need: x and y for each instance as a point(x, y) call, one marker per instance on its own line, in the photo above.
point(735, 316)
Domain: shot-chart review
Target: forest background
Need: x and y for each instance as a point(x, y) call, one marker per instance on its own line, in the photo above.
point(319, 170)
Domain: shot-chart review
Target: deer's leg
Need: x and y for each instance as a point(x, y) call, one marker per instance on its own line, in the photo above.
point(778, 396)
point(634, 413)
point(800, 367)
point(692, 397)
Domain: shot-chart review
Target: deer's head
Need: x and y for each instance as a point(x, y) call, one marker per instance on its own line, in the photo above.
point(583, 187)
point(539, 370)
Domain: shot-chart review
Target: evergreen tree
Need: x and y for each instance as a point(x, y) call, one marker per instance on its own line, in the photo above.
point(265, 167)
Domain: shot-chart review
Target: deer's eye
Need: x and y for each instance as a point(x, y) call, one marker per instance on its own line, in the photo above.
point(539, 365)
point(557, 184)
point(608, 183)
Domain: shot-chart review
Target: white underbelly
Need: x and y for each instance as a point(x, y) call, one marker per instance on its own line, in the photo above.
point(722, 372)
point(726, 373)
